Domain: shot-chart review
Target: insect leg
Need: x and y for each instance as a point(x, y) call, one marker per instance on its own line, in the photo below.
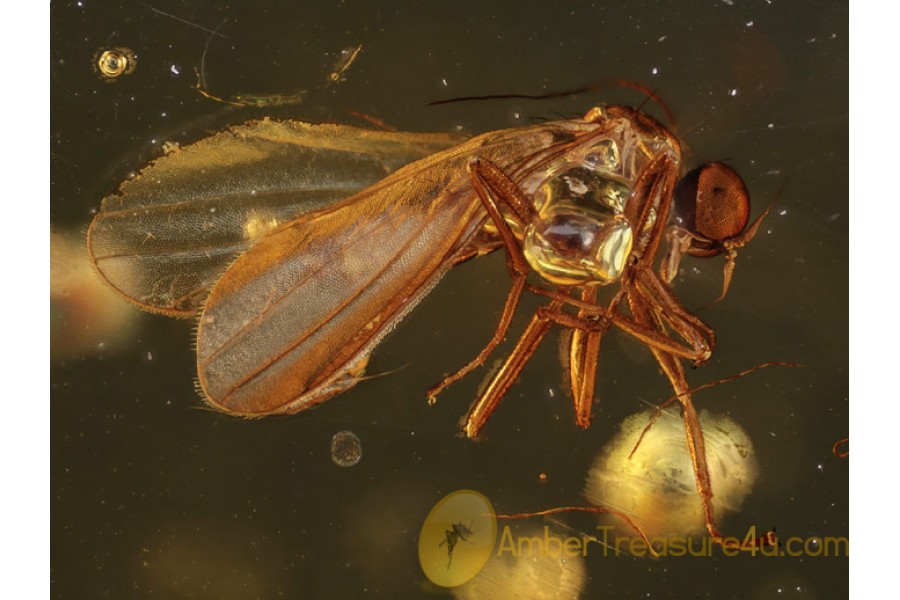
point(667, 307)
point(584, 350)
point(648, 217)
point(679, 243)
point(696, 445)
point(504, 378)
point(540, 323)
point(493, 187)
point(674, 371)
point(654, 338)
point(509, 309)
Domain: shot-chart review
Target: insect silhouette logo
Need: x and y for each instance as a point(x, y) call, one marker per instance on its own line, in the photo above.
point(457, 538)
point(452, 537)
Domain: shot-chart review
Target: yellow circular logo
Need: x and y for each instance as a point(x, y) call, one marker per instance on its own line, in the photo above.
point(457, 538)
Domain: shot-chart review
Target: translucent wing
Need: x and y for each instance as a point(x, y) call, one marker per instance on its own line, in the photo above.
point(169, 233)
point(294, 318)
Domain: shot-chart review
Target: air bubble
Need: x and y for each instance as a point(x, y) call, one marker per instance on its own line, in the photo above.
point(111, 63)
point(346, 449)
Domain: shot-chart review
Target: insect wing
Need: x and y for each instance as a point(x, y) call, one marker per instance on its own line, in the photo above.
point(292, 320)
point(169, 233)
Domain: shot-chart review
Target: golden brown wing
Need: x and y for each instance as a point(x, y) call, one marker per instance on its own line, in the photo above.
point(294, 317)
point(170, 232)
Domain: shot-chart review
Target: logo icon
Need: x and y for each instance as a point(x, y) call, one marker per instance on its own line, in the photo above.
point(457, 538)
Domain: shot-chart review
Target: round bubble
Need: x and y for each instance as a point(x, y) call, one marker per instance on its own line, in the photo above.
point(110, 63)
point(346, 449)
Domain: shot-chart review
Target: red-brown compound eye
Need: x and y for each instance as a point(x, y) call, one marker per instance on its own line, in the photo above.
point(713, 202)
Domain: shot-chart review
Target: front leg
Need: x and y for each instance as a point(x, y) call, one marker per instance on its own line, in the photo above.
point(670, 310)
point(679, 240)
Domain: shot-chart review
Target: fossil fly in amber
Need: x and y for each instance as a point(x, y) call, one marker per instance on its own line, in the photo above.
point(299, 268)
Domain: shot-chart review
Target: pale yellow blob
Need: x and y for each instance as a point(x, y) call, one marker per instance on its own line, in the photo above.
point(535, 575)
point(86, 315)
point(258, 225)
point(457, 538)
point(657, 487)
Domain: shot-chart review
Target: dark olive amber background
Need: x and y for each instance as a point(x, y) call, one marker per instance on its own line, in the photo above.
point(152, 495)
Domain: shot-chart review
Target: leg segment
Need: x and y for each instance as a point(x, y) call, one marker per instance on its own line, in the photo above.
point(669, 309)
point(674, 371)
point(696, 445)
point(679, 243)
point(655, 186)
point(493, 187)
point(584, 350)
point(506, 376)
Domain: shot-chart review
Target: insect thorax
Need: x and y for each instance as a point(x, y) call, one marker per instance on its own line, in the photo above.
point(581, 235)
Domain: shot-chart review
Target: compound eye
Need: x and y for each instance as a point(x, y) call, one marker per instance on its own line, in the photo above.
point(713, 202)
